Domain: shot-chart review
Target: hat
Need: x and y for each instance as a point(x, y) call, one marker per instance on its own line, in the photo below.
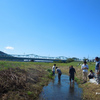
point(96, 58)
point(85, 61)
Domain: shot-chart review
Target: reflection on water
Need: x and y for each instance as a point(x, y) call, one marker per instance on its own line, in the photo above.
point(61, 90)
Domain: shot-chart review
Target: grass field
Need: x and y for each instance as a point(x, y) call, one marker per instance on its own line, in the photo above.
point(22, 80)
point(36, 75)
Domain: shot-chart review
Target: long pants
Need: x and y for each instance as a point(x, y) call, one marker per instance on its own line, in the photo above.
point(59, 76)
point(85, 76)
point(53, 72)
point(97, 76)
point(90, 77)
point(71, 77)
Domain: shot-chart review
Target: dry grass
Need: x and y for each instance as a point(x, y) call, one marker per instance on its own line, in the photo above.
point(24, 81)
point(18, 84)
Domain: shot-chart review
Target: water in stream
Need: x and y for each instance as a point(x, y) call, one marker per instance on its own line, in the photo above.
point(61, 90)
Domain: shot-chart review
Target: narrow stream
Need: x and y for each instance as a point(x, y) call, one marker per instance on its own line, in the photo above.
point(61, 90)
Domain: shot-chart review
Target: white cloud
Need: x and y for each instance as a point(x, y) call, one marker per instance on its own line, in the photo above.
point(10, 48)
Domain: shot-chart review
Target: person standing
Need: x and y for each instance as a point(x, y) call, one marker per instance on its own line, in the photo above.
point(85, 68)
point(71, 73)
point(59, 73)
point(97, 70)
point(53, 69)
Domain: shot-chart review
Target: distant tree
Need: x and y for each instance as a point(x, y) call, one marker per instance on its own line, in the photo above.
point(32, 60)
point(59, 61)
point(85, 59)
point(69, 60)
point(75, 59)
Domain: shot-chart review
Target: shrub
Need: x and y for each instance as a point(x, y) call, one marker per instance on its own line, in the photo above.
point(69, 60)
point(29, 92)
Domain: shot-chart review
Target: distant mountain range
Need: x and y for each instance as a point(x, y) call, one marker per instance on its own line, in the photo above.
point(2, 54)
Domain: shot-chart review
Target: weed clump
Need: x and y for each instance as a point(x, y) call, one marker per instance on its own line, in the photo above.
point(50, 74)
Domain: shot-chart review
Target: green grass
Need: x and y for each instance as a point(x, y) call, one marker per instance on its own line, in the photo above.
point(29, 93)
point(50, 74)
point(33, 89)
point(87, 88)
point(77, 80)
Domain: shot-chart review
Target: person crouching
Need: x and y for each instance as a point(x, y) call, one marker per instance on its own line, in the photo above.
point(91, 75)
point(59, 73)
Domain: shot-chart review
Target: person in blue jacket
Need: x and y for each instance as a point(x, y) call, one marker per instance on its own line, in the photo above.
point(59, 73)
point(97, 70)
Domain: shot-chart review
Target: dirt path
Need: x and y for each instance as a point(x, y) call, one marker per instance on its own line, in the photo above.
point(61, 90)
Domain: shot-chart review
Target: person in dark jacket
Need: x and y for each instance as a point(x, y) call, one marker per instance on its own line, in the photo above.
point(71, 73)
point(91, 75)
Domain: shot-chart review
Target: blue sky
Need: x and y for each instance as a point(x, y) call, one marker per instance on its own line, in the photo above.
point(68, 28)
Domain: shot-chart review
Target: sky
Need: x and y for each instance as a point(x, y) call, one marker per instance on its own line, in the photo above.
point(68, 28)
